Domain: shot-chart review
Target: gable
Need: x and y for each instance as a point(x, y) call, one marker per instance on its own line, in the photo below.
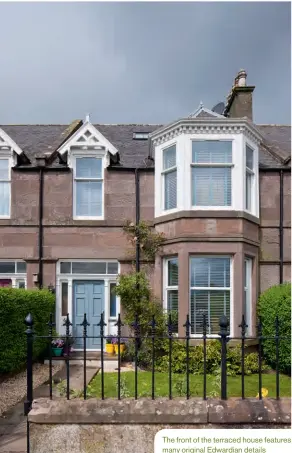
point(7, 142)
point(87, 136)
point(203, 112)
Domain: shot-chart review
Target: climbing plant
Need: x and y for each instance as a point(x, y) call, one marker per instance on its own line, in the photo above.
point(150, 240)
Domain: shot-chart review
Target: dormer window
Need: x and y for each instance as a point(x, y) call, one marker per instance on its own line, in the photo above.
point(170, 177)
point(88, 188)
point(211, 173)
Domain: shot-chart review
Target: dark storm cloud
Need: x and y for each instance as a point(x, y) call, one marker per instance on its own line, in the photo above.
point(140, 62)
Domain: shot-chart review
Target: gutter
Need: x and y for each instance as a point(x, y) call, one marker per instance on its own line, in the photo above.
point(137, 191)
point(40, 244)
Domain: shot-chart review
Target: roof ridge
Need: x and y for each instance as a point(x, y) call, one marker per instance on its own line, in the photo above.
point(38, 124)
point(271, 124)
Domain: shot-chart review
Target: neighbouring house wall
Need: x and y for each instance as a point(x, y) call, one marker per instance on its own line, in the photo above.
point(270, 232)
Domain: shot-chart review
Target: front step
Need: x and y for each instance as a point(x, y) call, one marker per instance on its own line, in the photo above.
point(93, 359)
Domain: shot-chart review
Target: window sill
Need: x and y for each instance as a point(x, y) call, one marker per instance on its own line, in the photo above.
point(88, 218)
point(5, 217)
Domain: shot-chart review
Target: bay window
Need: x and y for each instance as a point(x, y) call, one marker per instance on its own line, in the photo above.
point(211, 173)
point(5, 187)
point(249, 177)
point(170, 178)
point(209, 292)
point(171, 290)
point(88, 187)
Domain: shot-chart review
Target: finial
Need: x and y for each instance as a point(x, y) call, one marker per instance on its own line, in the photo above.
point(201, 104)
point(87, 118)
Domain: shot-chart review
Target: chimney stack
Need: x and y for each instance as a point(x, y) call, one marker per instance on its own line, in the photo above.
point(239, 100)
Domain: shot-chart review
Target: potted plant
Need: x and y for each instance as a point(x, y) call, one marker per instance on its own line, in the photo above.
point(57, 347)
point(109, 347)
point(68, 343)
point(115, 343)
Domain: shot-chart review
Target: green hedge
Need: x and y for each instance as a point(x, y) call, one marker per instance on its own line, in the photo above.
point(15, 304)
point(276, 301)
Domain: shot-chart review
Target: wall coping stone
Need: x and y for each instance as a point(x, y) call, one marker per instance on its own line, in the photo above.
point(161, 411)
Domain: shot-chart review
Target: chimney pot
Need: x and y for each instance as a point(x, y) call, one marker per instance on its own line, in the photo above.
point(241, 76)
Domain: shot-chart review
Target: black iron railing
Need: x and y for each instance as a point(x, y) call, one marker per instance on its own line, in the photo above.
point(152, 337)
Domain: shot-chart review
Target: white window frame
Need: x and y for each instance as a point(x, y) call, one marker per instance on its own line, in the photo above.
point(248, 294)
point(183, 142)
point(17, 277)
point(251, 172)
point(7, 156)
point(79, 155)
point(166, 287)
point(212, 165)
point(165, 172)
point(110, 328)
point(200, 288)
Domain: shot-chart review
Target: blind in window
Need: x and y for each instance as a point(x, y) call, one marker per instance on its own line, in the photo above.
point(88, 167)
point(172, 272)
point(213, 300)
point(211, 152)
point(170, 190)
point(89, 198)
point(169, 157)
point(172, 306)
point(211, 186)
point(248, 183)
point(249, 157)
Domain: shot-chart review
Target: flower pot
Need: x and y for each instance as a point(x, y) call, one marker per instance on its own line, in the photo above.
point(109, 348)
point(57, 352)
point(122, 348)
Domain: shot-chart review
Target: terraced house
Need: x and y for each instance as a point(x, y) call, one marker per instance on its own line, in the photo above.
point(214, 182)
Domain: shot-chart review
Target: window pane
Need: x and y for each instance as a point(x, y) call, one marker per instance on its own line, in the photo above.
point(7, 267)
point(89, 199)
point(113, 301)
point(169, 157)
point(88, 268)
point(248, 183)
point(64, 289)
point(249, 157)
point(213, 304)
point(172, 272)
point(112, 268)
point(88, 167)
point(5, 283)
point(65, 267)
point(211, 186)
point(20, 284)
point(247, 294)
point(4, 169)
point(210, 272)
point(172, 306)
point(4, 198)
point(170, 188)
point(21, 267)
point(211, 152)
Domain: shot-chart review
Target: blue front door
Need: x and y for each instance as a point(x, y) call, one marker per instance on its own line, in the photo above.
point(88, 297)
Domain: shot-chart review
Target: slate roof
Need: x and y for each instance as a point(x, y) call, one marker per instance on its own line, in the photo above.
point(37, 140)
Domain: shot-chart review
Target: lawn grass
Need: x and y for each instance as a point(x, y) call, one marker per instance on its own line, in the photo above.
point(178, 389)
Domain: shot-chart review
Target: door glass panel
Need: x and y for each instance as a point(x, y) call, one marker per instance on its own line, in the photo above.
point(113, 301)
point(64, 298)
point(112, 268)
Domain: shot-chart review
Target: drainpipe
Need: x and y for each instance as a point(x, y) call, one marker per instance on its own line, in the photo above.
point(281, 240)
point(137, 190)
point(41, 162)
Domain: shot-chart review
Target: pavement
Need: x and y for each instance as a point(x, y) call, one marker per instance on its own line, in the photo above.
point(13, 424)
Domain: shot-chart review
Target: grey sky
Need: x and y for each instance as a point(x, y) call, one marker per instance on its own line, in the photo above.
point(140, 62)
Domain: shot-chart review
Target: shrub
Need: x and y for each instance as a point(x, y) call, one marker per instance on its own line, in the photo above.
point(15, 304)
point(276, 301)
point(213, 359)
